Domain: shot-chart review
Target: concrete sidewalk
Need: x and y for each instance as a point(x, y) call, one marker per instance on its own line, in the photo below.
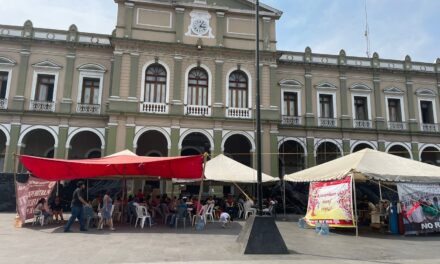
point(162, 244)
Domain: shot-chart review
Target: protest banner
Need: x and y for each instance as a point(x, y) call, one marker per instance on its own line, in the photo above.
point(29, 193)
point(420, 207)
point(331, 202)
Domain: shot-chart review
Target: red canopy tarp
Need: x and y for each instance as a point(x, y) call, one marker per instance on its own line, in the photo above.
point(190, 167)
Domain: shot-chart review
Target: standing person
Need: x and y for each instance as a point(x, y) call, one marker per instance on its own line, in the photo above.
point(106, 212)
point(77, 207)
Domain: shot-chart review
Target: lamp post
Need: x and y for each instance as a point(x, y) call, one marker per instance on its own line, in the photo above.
point(258, 117)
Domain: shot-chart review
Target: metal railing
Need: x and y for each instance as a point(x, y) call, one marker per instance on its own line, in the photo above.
point(88, 108)
point(327, 122)
point(363, 124)
point(42, 106)
point(238, 112)
point(397, 126)
point(291, 120)
point(429, 128)
point(197, 110)
point(154, 108)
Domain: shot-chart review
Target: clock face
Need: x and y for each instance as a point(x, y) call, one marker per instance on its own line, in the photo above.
point(200, 26)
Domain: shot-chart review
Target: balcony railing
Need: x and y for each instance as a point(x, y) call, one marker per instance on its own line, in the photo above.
point(367, 124)
point(430, 128)
point(238, 112)
point(88, 108)
point(3, 104)
point(291, 120)
point(327, 122)
point(197, 110)
point(154, 108)
point(42, 106)
point(397, 126)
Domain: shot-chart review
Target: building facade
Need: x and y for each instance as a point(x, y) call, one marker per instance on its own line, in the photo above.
point(178, 78)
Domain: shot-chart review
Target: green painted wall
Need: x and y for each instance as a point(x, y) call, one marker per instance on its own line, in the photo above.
point(217, 142)
point(310, 117)
point(415, 151)
point(274, 164)
point(12, 148)
point(175, 136)
point(310, 152)
point(111, 140)
point(129, 9)
point(60, 152)
point(221, 25)
point(179, 24)
point(129, 137)
point(116, 76)
point(134, 75)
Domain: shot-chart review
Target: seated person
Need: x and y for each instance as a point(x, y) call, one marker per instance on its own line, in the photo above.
point(140, 195)
point(181, 212)
point(57, 208)
point(230, 207)
point(90, 216)
point(96, 203)
point(41, 209)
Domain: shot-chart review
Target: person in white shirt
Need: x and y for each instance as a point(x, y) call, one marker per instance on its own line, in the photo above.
point(225, 219)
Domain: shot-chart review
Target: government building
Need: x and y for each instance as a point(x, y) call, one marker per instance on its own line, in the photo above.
point(178, 78)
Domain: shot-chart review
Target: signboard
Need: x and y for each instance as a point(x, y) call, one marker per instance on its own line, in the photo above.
point(420, 205)
point(29, 193)
point(331, 202)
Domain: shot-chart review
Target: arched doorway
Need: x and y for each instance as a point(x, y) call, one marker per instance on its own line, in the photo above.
point(361, 146)
point(238, 148)
point(327, 151)
point(430, 155)
point(153, 144)
point(39, 143)
point(195, 143)
point(85, 145)
point(291, 157)
point(400, 151)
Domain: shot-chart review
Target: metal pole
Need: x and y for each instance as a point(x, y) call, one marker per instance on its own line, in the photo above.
point(15, 181)
point(258, 137)
point(284, 197)
point(355, 206)
point(380, 192)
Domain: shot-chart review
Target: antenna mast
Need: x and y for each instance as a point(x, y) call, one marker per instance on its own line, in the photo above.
point(367, 31)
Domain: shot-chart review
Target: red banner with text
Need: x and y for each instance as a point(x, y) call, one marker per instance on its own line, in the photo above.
point(29, 193)
point(331, 202)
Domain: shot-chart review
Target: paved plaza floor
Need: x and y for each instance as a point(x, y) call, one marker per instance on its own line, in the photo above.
point(162, 244)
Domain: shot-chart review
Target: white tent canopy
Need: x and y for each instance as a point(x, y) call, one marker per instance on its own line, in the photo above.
point(369, 164)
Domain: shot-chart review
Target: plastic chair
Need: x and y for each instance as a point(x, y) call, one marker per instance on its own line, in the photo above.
point(142, 214)
point(268, 211)
point(166, 213)
point(116, 212)
point(38, 218)
point(201, 214)
point(240, 210)
point(209, 213)
point(249, 211)
point(181, 215)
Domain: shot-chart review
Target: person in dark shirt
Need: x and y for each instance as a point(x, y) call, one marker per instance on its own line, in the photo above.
point(77, 207)
point(57, 208)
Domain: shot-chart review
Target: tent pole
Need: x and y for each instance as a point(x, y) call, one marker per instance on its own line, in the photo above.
point(355, 206)
point(205, 157)
point(15, 180)
point(284, 197)
point(243, 192)
point(380, 191)
point(172, 190)
point(87, 183)
point(58, 187)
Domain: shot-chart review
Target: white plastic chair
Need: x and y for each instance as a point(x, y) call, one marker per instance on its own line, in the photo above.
point(142, 214)
point(201, 214)
point(209, 213)
point(116, 212)
point(268, 211)
point(38, 218)
point(249, 211)
point(240, 210)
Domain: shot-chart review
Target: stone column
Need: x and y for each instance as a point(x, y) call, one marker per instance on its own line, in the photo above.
point(18, 100)
point(378, 102)
point(129, 8)
point(66, 102)
point(129, 136)
point(274, 163)
point(218, 137)
point(310, 153)
point(345, 117)
point(175, 137)
point(412, 109)
point(310, 116)
point(111, 136)
point(179, 24)
point(177, 107)
point(381, 145)
point(221, 25)
point(134, 75)
point(12, 149)
point(415, 151)
point(218, 90)
point(346, 146)
point(275, 91)
point(116, 76)
point(61, 151)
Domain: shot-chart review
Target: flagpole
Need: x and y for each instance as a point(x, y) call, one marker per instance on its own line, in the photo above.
point(258, 117)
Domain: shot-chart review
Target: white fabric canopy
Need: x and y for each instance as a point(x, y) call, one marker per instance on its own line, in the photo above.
point(225, 169)
point(370, 164)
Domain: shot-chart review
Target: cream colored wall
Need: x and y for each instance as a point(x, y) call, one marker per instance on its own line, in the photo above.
point(330, 76)
point(360, 78)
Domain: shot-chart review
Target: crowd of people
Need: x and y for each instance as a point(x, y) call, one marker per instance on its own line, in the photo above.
point(102, 210)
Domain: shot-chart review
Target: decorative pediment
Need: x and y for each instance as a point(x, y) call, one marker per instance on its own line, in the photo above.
point(47, 64)
point(360, 87)
point(425, 92)
point(7, 62)
point(90, 67)
point(326, 86)
point(393, 90)
point(290, 83)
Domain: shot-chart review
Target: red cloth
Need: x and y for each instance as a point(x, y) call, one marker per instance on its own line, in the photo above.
point(190, 167)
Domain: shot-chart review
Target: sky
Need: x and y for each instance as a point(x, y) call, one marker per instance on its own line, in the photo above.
point(397, 27)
